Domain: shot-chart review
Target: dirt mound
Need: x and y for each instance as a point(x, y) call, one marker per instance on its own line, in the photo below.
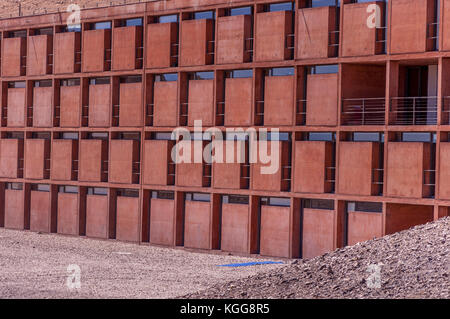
point(10, 8)
point(412, 264)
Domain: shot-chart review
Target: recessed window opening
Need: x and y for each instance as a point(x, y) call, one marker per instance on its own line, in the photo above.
point(319, 204)
point(270, 136)
point(97, 191)
point(235, 199)
point(322, 3)
point(203, 15)
point(323, 69)
point(275, 201)
point(70, 82)
point(198, 197)
point(40, 187)
point(128, 193)
point(163, 136)
point(129, 136)
point(367, 137)
point(131, 79)
point(283, 6)
point(197, 136)
point(201, 76)
point(40, 135)
point(163, 195)
point(69, 28)
point(14, 135)
point(43, 31)
point(280, 71)
point(365, 207)
point(239, 74)
point(97, 136)
point(16, 34)
point(43, 83)
point(17, 85)
point(321, 136)
point(167, 77)
point(99, 81)
point(69, 136)
point(239, 11)
point(167, 18)
point(418, 137)
point(130, 22)
point(100, 25)
point(68, 189)
point(14, 186)
point(236, 136)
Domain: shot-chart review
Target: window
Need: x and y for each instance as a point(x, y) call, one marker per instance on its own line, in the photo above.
point(167, 18)
point(166, 77)
point(280, 72)
point(323, 69)
point(101, 25)
point(283, 6)
point(235, 74)
point(321, 136)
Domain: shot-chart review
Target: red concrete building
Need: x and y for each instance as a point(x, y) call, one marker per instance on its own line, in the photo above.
point(362, 102)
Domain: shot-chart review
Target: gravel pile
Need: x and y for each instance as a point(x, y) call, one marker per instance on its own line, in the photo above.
point(412, 264)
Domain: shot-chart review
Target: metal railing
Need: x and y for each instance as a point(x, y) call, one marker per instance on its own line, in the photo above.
point(380, 39)
point(300, 112)
point(364, 111)
point(378, 176)
point(333, 42)
point(433, 33)
point(330, 174)
point(429, 177)
point(413, 110)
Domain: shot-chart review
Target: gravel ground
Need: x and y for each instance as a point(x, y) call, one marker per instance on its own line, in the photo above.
point(35, 266)
point(415, 264)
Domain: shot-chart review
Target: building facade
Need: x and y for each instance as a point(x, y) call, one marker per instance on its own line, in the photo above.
point(358, 90)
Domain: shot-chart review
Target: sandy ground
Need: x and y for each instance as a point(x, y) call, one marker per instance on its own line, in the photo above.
point(35, 266)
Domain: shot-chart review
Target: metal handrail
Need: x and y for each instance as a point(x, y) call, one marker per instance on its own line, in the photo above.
point(431, 173)
point(432, 30)
point(378, 172)
point(414, 110)
point(363, 111)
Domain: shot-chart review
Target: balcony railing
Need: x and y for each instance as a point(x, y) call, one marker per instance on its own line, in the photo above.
point(333, 43)
point(300, 112)
point(413, 110)
point(370, 111)
point(433, 34)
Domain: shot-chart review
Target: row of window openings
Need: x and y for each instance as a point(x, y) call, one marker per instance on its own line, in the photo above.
point(206, 75)
point(321, 204)
point(425, 137)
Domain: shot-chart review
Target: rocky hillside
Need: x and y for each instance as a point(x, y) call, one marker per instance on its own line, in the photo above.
point(412, 264)
point(10, 8)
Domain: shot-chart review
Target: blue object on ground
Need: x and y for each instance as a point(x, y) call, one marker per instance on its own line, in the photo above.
point(252, 264)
